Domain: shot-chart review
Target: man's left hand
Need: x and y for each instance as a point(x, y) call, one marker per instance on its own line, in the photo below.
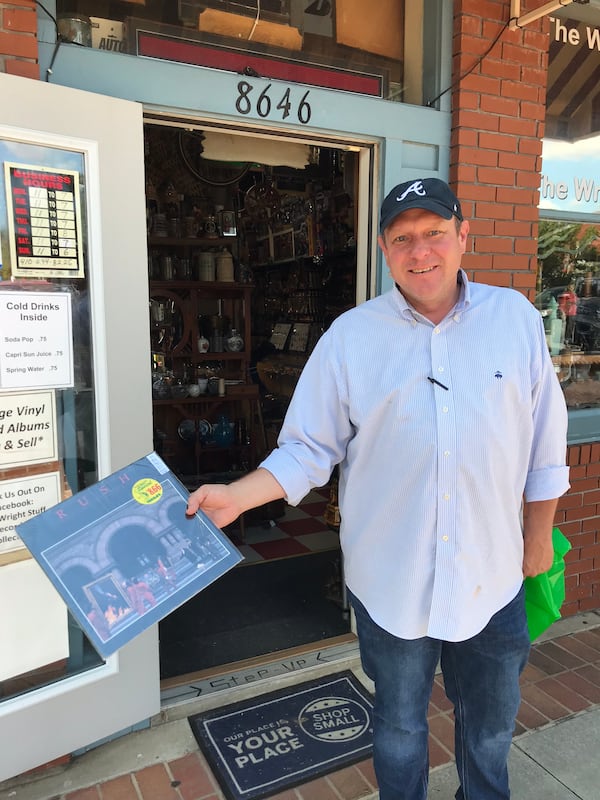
point(538, 519)
point(538, 555)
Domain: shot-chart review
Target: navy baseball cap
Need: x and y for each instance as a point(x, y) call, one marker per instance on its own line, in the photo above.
point(431, 194)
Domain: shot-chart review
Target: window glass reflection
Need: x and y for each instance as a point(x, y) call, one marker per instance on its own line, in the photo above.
point(569, 300)
point(364, 49)
point(75, 417)
point(568, 285)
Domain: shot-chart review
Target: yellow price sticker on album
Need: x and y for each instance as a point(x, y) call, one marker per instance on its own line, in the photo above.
point(147, 491)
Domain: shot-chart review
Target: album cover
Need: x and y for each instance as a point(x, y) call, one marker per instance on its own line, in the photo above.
point(123, 554)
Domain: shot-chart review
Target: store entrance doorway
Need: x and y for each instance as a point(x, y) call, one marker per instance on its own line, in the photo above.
point(253, 244)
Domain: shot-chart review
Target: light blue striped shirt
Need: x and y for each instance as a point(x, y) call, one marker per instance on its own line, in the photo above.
point(431, 479)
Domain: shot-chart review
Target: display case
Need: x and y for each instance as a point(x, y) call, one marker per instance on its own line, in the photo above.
point(206, 411)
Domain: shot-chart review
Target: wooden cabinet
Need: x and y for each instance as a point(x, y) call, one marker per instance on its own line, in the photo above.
point(218, 431)
point(183, 311)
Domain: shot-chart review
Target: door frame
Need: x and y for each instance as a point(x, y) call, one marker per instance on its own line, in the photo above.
point(108, 132)
point(369, 160)
point(369, 152)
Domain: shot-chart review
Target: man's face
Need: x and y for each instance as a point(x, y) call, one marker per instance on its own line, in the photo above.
point(423, 252)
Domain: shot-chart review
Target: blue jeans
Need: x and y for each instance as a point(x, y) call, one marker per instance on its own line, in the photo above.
point(481, 676)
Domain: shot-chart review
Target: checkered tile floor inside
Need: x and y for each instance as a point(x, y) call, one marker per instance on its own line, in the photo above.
point(300, 531)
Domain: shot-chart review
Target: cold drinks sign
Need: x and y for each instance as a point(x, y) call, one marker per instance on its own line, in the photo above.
point(36, 341)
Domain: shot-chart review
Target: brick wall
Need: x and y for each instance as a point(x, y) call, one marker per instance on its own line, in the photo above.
point(18, 38)
point(497, 129)
point(578, 519)
point(495, 163)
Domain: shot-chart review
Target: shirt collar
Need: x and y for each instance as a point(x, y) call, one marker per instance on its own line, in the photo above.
point(462, 304)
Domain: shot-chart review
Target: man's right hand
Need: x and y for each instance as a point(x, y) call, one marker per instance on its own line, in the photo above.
point(217, 501)
point(223, 503)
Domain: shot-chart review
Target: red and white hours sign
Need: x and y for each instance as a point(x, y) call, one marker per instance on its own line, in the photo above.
point(44, 221)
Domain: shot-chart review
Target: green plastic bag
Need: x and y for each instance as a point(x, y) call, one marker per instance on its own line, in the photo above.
point(545, 594)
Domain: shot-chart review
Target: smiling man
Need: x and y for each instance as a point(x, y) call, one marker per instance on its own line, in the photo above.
point(423, 237)
point(439, 401)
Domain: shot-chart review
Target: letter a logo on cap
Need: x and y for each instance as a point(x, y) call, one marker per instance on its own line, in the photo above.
point(416, 187)
point(430, 194)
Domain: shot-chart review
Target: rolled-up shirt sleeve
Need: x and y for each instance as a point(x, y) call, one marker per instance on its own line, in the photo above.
point(548, 475)
point(316, 429)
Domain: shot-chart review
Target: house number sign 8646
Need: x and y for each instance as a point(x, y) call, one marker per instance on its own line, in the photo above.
point(268, 105)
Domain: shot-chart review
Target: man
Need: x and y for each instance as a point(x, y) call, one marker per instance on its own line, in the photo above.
point(139, 593)
point(567, 304)
point(439, 401)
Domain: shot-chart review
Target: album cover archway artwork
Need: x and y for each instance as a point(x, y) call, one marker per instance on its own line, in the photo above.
point(123, 554)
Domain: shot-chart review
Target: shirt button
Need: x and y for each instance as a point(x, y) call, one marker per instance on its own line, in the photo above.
point(446, 497)
point(445, 538)
point(445, 409)
point(436, 330)
point(446, 453)
point(440, 369)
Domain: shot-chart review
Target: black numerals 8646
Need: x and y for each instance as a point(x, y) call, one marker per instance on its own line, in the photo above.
point(265, 104)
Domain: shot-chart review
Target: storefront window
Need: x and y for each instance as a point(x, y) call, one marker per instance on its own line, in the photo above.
point(47, 412)
point(568, 280)
point(568, 298)
point(337, 44)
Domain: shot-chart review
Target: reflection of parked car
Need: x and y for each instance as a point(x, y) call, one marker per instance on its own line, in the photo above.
point(542, 300)
point(586, 332)
point(587, 323)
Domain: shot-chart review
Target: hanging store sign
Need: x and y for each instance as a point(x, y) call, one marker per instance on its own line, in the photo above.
point(570, 180)
point(36, 340)
point(188, 50)
point(44, 222)
point(574, 33)
point(27, 429)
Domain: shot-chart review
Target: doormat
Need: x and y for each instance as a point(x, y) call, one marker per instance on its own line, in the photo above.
point(260, 747)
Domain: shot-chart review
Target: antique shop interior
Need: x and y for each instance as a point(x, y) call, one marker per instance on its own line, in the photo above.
point(249, 261)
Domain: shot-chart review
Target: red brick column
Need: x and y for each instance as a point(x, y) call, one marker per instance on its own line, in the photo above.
point(18, 38)
point(498, 116)
point(578, 519)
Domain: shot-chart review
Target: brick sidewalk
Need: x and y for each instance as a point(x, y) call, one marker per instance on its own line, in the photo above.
point(561, 679)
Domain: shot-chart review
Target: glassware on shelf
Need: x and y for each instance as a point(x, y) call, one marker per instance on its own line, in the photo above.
point(183, 269)
point(213, 385)
point(234, 342)
point(190, 227)
point(205, 266)
point(224, 432)
point(161, 387)
point(216, 342)
point(205, 431)
point(203, 344)
point(166, 268)
point(161, 311)
point(173, 227)
point(225, 273)
point(159, 225)
point(171, 201)
point(210, 227)
point(179, 389)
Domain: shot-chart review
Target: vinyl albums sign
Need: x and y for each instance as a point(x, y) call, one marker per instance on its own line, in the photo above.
point(261, 746)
